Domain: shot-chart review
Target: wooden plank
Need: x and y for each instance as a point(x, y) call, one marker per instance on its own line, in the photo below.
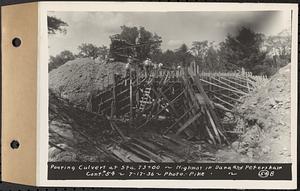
point(134, 150)
point(210, 106)
point(159, 111)
point(223, 101)
point(189, 122)
point(229, 86)
point(122, 92)
point(210, 135)
point(239, 92)
point(231, 81)
point(119, 155)
point(213, 126)
point(152, 156)
point(202, 92)
point(219, 106)
point(173, 139)
point(118, 130)
point(170, 103)
point(126, 106)
point(148, 145)
point(123, 99)
point(178, 120)
point(226, 96)
point(190, 95)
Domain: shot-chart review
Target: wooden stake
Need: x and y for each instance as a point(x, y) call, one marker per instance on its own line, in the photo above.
point(231, 81)
point(227, 84)
point(223, 101)
point(239, 92)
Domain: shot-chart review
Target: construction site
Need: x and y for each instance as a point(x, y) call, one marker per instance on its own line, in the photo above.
point(112, 112)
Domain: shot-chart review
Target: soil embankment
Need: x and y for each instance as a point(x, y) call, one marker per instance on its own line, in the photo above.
point(265, 123)
point(78, 78)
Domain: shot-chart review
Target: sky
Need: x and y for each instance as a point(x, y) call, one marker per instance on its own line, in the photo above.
point(175, 28)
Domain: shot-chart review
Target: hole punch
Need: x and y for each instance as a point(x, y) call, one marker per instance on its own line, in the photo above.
point(16, 42)
point(15, 144)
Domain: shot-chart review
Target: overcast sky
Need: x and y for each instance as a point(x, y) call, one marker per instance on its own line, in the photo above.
point(175, 28)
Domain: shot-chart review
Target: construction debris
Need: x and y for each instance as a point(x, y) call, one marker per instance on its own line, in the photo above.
point(142, 117)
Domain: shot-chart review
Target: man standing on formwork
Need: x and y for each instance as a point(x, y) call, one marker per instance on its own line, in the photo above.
point(147, 67)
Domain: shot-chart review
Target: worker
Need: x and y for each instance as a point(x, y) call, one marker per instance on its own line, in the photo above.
point(147, 64)
point(160, 65)
point(128, 64)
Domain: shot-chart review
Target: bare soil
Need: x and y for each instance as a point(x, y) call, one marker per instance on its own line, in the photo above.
point(265, 124)
point(78, 78)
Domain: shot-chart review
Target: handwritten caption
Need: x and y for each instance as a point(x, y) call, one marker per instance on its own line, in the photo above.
point(168, 171)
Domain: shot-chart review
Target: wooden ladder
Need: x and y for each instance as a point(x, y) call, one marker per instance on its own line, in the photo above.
point(146, 99)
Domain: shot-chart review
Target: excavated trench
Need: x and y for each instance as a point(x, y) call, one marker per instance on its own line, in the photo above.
point(162, 118)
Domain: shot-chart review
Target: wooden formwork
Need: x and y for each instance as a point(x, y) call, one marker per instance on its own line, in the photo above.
point(188, 103)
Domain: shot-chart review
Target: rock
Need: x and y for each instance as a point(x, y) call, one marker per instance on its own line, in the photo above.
point(272, 102)
point(242, 151)
point(250, 154)
point(277, 100)
point(65, 157)
point(266, 149)
point(235, 145)
point(276, 135)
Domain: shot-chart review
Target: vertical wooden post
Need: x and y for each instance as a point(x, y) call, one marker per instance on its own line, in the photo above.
point(113, 109)
point(130, 96)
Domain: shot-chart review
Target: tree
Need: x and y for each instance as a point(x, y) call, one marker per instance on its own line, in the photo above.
point(60, 59)
point(183, 55)
point(56, 25)
point(167, 57)
point(123, 44)
point(199, 50)
point(212, 60)
point(278, 48)
point(92, 51)
point(242, 50)
point(103, 52)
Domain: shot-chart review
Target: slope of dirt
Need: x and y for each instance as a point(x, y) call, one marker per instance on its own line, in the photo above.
point(264, 120)
point(76, 135)
point(76, 79)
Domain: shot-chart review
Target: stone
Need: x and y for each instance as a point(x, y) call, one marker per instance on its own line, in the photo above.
point(235, 145)
point(250, 154)
point(266, 149)
point(276, 135)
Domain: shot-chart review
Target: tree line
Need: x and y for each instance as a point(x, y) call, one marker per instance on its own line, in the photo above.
point(255, 52)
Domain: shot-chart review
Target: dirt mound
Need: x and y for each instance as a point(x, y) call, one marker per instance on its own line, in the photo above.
point(76, 135)
point(264, 120)
point(75, 79)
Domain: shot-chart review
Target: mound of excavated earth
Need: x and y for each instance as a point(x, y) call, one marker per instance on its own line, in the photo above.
point(265, 123)
point(75, 79)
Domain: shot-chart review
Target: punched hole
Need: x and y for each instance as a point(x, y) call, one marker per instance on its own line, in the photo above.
point(16, 42)
point(15, 144)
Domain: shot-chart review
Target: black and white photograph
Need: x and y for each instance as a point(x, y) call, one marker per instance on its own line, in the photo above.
point(169, 87)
